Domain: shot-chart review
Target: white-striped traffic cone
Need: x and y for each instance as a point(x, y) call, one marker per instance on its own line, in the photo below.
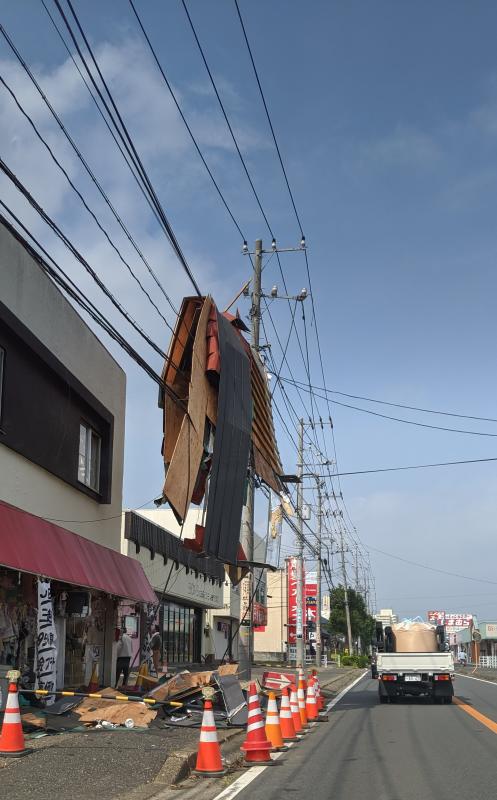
point(256, 746)
point(209, 762)
point(12, 737)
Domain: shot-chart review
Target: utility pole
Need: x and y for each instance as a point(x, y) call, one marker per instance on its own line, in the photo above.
point(300, 646)
point(346, 593)
point(318, 577)
point(246, 633)
point(356, 567)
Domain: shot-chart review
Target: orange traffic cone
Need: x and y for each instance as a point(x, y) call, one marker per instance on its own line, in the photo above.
point(310, 703)
point(302, 678)
point(286, 719)
point(256, 747)
point(294, 708)
point(209, 762)
point(273, 729)
point(12, 737)
point(301, 701)
point(93, 685)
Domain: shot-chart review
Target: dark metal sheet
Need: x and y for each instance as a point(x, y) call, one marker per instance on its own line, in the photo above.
point(231, 448)
point(145, 533)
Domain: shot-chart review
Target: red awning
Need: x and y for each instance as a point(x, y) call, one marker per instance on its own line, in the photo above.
point(31, 544)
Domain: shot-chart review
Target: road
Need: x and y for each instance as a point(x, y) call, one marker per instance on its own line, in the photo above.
point(408, 751)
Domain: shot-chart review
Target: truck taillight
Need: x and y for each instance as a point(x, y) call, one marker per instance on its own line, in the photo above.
point(441, 677)
point(389, 677)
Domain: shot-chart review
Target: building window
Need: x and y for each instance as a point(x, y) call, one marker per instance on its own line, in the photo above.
point(89, 457)
point(2, 369)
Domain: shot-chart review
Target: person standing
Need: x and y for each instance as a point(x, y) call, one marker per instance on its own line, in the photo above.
point(124, 652)
point(156, 646)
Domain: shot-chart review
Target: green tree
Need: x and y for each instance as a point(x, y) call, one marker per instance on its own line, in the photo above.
point(361, 622)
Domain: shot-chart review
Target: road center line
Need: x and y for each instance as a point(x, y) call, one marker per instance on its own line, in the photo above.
point(489, 723)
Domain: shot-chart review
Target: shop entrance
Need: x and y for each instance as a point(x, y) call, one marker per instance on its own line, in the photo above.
point(181, 633)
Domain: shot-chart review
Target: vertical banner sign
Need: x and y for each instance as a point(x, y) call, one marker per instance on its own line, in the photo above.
point(46, 641)
point(311, 611)
point(291, 567)
point(245, 587)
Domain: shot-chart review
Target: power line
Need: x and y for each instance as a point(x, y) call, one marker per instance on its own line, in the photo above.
point(406, 421)
point(58, 232)
point(268, 117)
point(180, 111)
point(83, 161)
point(67, 284)
point(125, 136)
point(415, 466)
point(394, 405)
point(432, 569)
point(85, 204)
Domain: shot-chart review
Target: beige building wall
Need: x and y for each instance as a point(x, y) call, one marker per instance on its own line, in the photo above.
point(270, 644)
point(27, 292)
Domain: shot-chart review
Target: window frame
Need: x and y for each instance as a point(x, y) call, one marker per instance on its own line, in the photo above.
point(90, 435)
point(2, 376)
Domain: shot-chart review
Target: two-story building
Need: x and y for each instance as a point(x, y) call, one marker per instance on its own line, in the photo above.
point(62, 404)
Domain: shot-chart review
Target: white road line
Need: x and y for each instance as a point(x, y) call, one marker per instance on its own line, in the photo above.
point(344, 691)
point(246, 778)
point(253, 772)
point(472, 678)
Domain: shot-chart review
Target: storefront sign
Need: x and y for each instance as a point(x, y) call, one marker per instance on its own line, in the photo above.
point(259, 614)
point(46, 641)
point(491, 629)
point(450, 620)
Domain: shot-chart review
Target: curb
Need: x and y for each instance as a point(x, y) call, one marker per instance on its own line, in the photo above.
point(186, 760)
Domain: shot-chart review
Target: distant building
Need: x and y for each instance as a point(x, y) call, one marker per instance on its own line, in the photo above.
point(386, 616)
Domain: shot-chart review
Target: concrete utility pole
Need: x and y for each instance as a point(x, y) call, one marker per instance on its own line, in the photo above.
point(300, 645)
point(346, 593)
point(318, 577)
point(246, 633)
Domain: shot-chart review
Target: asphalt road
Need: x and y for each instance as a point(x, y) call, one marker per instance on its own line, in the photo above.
point(407, 751)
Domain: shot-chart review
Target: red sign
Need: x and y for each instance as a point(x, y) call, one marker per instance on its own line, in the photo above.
point(259, 615)
point(450, 620)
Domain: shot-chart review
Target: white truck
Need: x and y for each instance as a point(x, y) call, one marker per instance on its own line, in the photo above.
point(428, 674)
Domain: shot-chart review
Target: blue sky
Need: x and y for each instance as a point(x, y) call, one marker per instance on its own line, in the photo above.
point(386, 115)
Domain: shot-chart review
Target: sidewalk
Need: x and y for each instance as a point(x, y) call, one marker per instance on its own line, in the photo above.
point(479, 672)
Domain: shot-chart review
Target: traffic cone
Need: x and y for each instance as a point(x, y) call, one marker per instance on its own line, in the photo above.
point(310, 703)
point(294, 708)
point(256, 747)
point(273, 729)
point(302, 678)
point(12, 737)
point(301, 701)
point(286, 719)
point(93, 685)
point(209, 762)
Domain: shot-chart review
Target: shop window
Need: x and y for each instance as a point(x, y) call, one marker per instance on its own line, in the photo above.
point(89, 457)
point(2, 371)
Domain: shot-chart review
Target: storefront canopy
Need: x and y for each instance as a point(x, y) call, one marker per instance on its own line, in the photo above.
point(31, 544)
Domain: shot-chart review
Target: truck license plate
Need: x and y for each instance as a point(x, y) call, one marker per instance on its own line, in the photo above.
point(412, 677)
